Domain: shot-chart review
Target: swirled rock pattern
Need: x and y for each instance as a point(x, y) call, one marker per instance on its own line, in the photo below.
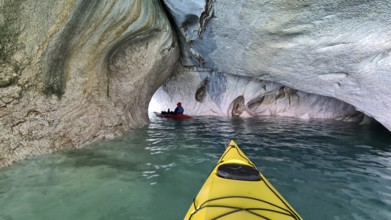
point(204, 92)
point(332, 48)
point(75, 71)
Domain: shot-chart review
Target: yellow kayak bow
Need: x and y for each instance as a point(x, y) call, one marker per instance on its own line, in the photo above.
point(236, 190)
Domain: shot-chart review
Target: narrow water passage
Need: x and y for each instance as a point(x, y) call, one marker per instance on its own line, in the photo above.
point(325, 169)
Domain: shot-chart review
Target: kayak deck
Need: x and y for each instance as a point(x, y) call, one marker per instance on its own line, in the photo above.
point(235, 189)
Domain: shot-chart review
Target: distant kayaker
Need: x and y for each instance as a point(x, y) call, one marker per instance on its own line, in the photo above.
point(179, 109)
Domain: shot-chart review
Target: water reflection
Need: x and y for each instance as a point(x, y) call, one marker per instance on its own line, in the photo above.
point(325, 169)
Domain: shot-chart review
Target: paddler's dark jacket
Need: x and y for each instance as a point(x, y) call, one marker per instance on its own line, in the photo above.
point(179, 110)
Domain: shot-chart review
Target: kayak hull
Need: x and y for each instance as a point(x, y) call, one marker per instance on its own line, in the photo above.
point(173, 116)
point(235, 189)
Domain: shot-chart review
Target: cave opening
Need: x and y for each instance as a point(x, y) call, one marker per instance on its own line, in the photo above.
point(221, 94)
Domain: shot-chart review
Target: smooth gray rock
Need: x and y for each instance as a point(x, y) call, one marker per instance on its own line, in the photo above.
point(332, 48)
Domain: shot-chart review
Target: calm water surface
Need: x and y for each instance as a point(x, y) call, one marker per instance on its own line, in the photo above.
point(325, 169)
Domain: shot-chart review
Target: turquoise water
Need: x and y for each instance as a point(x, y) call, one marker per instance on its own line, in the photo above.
point(325, 169)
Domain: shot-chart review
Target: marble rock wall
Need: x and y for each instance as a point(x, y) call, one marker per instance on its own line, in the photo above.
point(332, 48)
point(75, 71)
point(204, 92)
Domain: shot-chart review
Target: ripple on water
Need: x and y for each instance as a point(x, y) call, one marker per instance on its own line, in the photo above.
point(325, 169)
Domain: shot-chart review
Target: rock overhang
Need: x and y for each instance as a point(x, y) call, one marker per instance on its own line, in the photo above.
point(336, 49)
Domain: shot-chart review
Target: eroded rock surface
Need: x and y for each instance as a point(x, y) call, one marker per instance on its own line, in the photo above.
point(204, 92)
point(332, 48)
point(75, 71)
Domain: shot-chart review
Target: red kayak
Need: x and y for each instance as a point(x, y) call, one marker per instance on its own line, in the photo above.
point(173, 116)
